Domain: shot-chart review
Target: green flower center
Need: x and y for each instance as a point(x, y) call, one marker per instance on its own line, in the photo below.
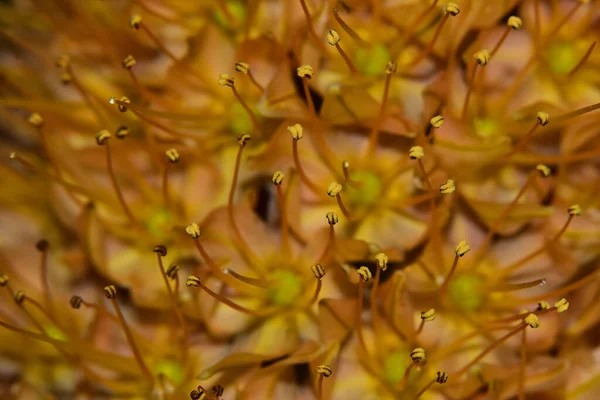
point(236, 10)
point(562, 57)
point(240, 121)
point(159, 223)
point(368, 190)
point(371, 61)
point(466, 292)
point(394, 366)
point(485, 127)
point(171, 369)
point(287, 287)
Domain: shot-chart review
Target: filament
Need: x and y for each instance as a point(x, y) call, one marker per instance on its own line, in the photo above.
point(348, 29)
point(430, 45)
point(444, 286)
point(402, 381)
point(285, 234)
point(577, 113)
point(523, 141)
point(257, 313)
point(343, 208)
point(254, 81)
point(512, 287)
point(320, 387)
point(260, 283)
point(374, 311)
point(44, 278)
point(317, 291)
point(255, 122)
point(412, 27)
point(426, 388)
point(469, 90)
point(347, 59)
point(312, 186)
point(358, 317)
point(435, 234)
point(113, 179)
point(311, 29)
point(374, 136)
point(347, 177)
point(501, 41)
point(330, 245)
point(102, 121)
point(587, 55)
point(165, 186)
point(522, 366)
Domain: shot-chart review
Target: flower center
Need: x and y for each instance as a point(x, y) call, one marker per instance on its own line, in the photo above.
point(485, 127)
point(368, 190)
point(159, 222)
point(394, 365)
point(371, 61)
point(562, 57)
point(171, 369)
point(240, 120)
point(287, 289)
point(237, 11)
point(465, 292)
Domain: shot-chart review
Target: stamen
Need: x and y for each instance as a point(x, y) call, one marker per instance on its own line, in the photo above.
point(173, 157)
point(364, 275)
point(111, 293)
point(226, 80)
point(311, 29)
point(559, 26)
point(244, 68)
point(324, 371)
point(441, 378)
point(418, 358)
point(297, 132)
point(285, 235)
point(260, 283)
point(577, 113)
point(562, 305)
point(347, 28)
point(374, 135)
point(42, 246)
point(585, 57)
point(333, 190)
point(382, 264)
point(512, 287)
point(514, 23)
point(333, 38)
point(542, 120)
point(319, 273)
point(412, 27)
point(448, 188)
point(522, 364)
point(461, 249)
point(482, 57)
point(347, 177)
point(332, 219)
point(426, 316)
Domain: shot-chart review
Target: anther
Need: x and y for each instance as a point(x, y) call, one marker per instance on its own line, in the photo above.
point(514, 22)
point(172, 271)
point(193, 230)
point(160, 249)
point(382, 261)
point(195, 395)
point(452, 9)
point(76, 302)
point(135, 21)
point(122, 132)
point(462, 248)
point(66, 78)
point(334, 189)
point(242, 67)
point(416, 153)
point(364, 273)
point(428, 315)
point(218, 390)
point(110, 291)
point(35, 119)
point(437, 121)
point(173, 156)
point(225, 80)
point(128, 62)
point(332, 218)
point(305, 71)
point(243, 138)
point(543, 170)
point(3, 279)
point(42, 245)
point(192, 281)
point(532, 320)
point(102, 137)
point(418, 355)
point(543, 305)
point(391, 67)
point(19, 297)
point(442, 377)
point(277, 178)
point(63, 61)
point(324, 370)
point(482, 57)
point(575, 210)
point(562, 305)
point(333, 37)
point(543, 118)
point(448, 187)
point(318, 271)
point(120, 106)
point(296, 130)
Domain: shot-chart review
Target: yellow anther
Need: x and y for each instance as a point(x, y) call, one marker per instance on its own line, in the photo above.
point(173, 155)
point(442, 377)
point(544, 170)
point(160, 249)
point(192, 281)
point(532, 320)
point(543, 118)
point(135, 21)
point(332, 218)
point(452, 9)
point(35, 119)
point(19, 297)
point(296, 130)
point(172, 271)
point(364, 273)
point(110, 291)
point(333, 37)
point(225, 80)
point(482, 57)
point(416, 153)
point(382, 261)
point(334, 189)
point(562, 305)
point(76, 302)
point(63, 61)
point(66, 78)
point(462, 248)
point(318, 271)
point(391, 67)
point(122, 132)
point(418, 355)
point(243, 138)
point(514, 22)
point(543, 305)
point(305, 71)
point(575, 210)
point(448, 187)
point(428, 315)
point(193, 230)
point(3, 279)
point(437, 121)
point(277, 178)
point(121, 107)
point(242, 67)
point(102, 137)
point(128, 62)
point(324, 370)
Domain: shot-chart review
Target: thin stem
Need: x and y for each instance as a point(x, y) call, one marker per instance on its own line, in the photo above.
point(373, 303)
point(255, 82)
point(260, 283)
point(113, 179)
point(312, 186)
point(513, 287)
point(430, 45)
point(374, 135)
point(358, 317)
point(469, 90)
point(255, 122)
point(522, 365)
point(426, 388)
point(257, 313)
point(343, 208)
point(587, 55)
point(347, 28)
point(311, 29)
point(44, 279)
point(501, 41)
point(523, 141)
point(285, 234)
point(320, 388)
point(165, 186)
point(347, 59)
point(317, 291)
point(444, 286)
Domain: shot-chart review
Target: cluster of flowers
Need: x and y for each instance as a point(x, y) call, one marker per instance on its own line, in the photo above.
point(270, 199)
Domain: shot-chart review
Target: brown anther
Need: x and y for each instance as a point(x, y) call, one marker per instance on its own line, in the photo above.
point(418, 355)
point(575, 210)
point(243, 138)
point(428, 315)
point(63, 61)
point(128, 62)
point(193, 230)
point(382, 261)
point(135, 21)
point(160, 249)
point(218, 390)
point(543, 118)
point(192, 281)
point(452, 9)
point(242, 67)
point(448, 187)
point(3, 279)
point(333, 37)
point(437, 121)
point(42, 245)
point(305, 71)
point(110, 291)
point(532, 320)
point(121, 107)
point(102, 137)
point(442, 377)
point(334, 189)
point(544, 170)
point(225, 80)
point(66, 78)
point(318, 271)
point(296, 130)
point(482, 57)
point(364, 273)
point(562, 305)
point(195, 395)
point(332, 218)
point(324, 370)
point(19, 297)
point(173, 156)
point(543, 305)
point(416, 153)
point(76, 302)
point(35, 119)
point(514, 22)
point(391, 67)
point(277, 178)
point(172, 271)
point(122, 132)
point(462, 248)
